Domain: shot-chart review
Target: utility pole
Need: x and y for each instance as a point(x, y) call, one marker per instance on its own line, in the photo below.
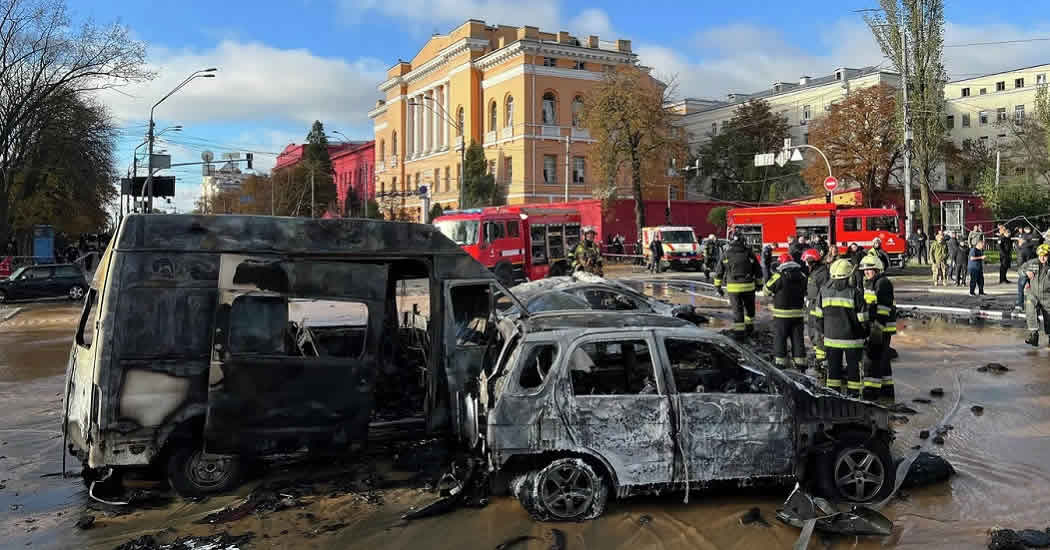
point(997, 166)
point(907, 135)
point(568, 161)
point(312, 204)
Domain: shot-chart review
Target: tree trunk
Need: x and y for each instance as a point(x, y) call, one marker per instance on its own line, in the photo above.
point(636, 189)
point(924, 208)
point(5, 197)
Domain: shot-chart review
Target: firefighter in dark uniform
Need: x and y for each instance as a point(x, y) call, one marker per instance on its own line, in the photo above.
point(788, 288)
point(737, 272)
point(841, 309)
point(586, 256)
point(882, 311)
point(818, 277)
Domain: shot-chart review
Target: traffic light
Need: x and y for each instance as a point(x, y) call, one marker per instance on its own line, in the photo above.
point(249, 157)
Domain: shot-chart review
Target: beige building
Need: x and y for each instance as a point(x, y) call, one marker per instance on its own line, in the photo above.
point(987, 109)
point(515, 90)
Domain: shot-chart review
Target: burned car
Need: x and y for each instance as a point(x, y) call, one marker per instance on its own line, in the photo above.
point(583, 291)
point(581, 406)
point(206, 339)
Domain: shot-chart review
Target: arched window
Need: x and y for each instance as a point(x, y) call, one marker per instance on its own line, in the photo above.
point(550, 108)
point(492, 116)
point(393, 143)
point(459, 122)
point(382, 150)
point(577, 111)
point(508, 112)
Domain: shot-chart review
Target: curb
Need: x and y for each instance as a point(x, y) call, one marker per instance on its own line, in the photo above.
point(964, 312)
point(8, 315)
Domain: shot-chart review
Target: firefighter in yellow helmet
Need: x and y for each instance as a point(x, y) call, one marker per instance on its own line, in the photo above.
point(841, 310)
point(882, 311)
point(1037, 294)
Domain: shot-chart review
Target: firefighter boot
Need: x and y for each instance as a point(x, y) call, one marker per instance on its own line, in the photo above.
point(1033, 338)
point(870, 393)
point(887, 393)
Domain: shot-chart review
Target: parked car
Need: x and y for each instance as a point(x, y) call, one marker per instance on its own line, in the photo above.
point(44, 281)
point(581, 406)
point(584, 291)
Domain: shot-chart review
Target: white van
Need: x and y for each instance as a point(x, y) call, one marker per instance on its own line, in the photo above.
point(681, 249)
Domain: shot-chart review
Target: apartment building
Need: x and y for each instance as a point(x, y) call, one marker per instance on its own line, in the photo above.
point(516, 90)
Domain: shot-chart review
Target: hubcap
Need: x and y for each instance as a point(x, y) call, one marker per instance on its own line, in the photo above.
point(205, 472)
point(859, 474)
point(566, 490)
point(76, 293)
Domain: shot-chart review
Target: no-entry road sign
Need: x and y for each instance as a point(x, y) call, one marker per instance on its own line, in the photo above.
point(830, 183)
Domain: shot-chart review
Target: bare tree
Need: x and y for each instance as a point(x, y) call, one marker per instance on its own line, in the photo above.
point(43, 53)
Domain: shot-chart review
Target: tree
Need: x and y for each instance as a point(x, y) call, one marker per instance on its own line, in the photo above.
point(859, 136)
point(318, 162)
point(625, 115)
point(728, 157)
point(1011, 199)
point(479, 186)
point(718, 217)
point(1027, 146)
point(372, 210)
point(43, 54)
point(923, 66)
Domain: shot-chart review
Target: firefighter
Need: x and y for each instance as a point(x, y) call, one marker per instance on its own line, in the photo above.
point(877, 251)
point(739, 270)
point(586, 256)
point(788, 288)
point(818, 277)
point(710, 255)
point(843, 314)
point(882, 311)
point(1037, 294)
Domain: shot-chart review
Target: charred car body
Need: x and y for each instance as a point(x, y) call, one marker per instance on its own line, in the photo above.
point(209, 338)
point(584, 405)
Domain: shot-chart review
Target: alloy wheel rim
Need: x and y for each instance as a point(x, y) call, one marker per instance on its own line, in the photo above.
point(566, 490)
point(859, 474)
point(207, 472)
point(76, 293)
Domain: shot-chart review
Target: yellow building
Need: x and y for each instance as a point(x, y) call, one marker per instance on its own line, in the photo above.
point(515, 90)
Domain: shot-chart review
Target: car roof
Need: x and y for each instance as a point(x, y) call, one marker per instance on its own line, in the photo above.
point(52, 265)
point(591, 319)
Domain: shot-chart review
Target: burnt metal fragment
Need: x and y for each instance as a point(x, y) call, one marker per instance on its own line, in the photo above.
point(557, 539)
point(924, 434)
point(86, 521)
point(753, 515)
point(927, 469)
point(995, 368)
point(977, 410)
point(514, 541)
point(922, 400)
point(937, 392)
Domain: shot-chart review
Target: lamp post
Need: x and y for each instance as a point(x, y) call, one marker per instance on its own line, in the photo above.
point(135, 154)
point(203, 73)
point(463, 147)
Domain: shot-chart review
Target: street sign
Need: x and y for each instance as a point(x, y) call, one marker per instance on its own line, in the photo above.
point(796, 156)
point(764, 159)
point(783, 158)
point(830, 183)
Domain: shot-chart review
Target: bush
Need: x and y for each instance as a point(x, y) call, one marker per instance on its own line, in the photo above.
point(717, 217)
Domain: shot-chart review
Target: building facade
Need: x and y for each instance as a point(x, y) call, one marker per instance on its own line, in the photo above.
point(225, 179)
point(353, 167)
point(517, 91)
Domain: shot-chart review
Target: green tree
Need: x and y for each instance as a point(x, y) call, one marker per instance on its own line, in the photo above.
point(372, 210)
point(480, 188)
point(728, 157)
point(1012, 199)
point(318, 164)
point(922, 22)
point(717, 217)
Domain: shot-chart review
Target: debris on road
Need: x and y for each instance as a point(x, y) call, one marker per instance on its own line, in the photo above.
point(220, 541)
point(86, 521)
point(995, 368)
point(900, 419)
point(924, 434)
point(753, 515)
point(937, 392)
point(977, 410)
point(645, 519)
point(509, 543)
point(801, 508)
point(1008, 539)
point(557, 539)
point(927, 469)
point(922, 400)
point(902, 409)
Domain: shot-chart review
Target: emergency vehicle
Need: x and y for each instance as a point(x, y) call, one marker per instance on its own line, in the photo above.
point(516, 243)
point(681, 248)
point(773, 224)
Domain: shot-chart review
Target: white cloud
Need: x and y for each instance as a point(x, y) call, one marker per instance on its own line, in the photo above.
point(967, 62)
point(254, 82)
point(539, 13)
point(592, 21)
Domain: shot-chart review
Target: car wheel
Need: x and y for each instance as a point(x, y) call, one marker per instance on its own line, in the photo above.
point(193, 474)
point(567, 489)
point(76, 293)
point(3, 297)
point(859, 469)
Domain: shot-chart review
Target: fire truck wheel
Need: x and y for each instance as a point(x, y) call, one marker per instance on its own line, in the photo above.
point(504, 272)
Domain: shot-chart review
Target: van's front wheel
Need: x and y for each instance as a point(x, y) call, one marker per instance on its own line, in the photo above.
point(192, 473)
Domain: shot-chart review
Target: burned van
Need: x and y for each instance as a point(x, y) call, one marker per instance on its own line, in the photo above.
point(206, 339)
point(582, 406)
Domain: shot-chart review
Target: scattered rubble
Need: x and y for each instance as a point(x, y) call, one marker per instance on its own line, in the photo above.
point(924, 434)
point(937, 392)
point(900, 419)
point(645, 519)
point(922, 400)
point(938, 439)
point(977, 410)
point(1008, 539)
point(753, 515)
point(557, 539)
point(513, 541)
point(262, 499)
point(902, 409)
point(995, 368)
point(801, 509)
point(220, 541)
point(87, 521)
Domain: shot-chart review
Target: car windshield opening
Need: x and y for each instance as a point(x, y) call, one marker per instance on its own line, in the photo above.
point(882, 223)
point(462, 232)
point(678, 237)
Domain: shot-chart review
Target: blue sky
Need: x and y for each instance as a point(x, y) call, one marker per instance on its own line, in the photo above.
point(284, 64)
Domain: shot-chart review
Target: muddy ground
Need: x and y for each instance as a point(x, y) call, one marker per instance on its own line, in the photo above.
point(1003, 476)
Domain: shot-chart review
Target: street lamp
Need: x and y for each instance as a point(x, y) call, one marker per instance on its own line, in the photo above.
point(463, 146)
point(203, 73)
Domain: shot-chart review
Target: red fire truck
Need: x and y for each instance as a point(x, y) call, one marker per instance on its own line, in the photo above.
point(516, 243)
point(772, 225)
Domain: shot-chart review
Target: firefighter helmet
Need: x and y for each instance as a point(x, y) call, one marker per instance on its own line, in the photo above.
point(784, 258)
point(841, 269)
point(589, 229)
point(871, 262)
point(1043, 250)
point(811, 255)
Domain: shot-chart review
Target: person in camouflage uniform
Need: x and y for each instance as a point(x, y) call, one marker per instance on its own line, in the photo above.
point(587, 256)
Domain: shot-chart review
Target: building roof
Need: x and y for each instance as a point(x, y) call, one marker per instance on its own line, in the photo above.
point(961, 80)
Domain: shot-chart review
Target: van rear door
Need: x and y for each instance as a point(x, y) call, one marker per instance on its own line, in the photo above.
point(295, 351)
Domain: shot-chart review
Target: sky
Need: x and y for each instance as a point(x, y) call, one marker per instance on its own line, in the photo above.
point(282, 65)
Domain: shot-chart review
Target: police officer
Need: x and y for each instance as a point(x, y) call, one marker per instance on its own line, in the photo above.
point(882, 311)
point(843, 314)
point(586, 256)
point(739, 270)
point(788, 288)
point(818, 277)
point(1037, 294)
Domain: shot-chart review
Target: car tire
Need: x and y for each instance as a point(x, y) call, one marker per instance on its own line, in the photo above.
point(567, 489)
point(3, 297)
point(192, 475)
point(859, 469)
point(76, 293)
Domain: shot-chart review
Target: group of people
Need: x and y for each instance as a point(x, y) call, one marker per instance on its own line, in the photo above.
point(849, 302)
point(954, 261)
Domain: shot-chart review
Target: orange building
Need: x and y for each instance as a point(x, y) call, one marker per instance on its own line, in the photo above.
point(515, 90)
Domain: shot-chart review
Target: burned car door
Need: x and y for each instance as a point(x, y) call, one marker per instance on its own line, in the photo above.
point(619, 406)
point(294, 353)
point(732, 420)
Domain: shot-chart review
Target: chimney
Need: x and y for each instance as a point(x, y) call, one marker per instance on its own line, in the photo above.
point(563, 37)
point(623, 46)
point(592, 41)
point(803, 80)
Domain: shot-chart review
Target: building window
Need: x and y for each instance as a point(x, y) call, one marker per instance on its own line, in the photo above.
point(549, 62)
point(984, 142)
point(577, 111)
point(714, 128)
point(550, 172)
point(459, 122)
point(1000, 114)
point(382, 186)
point(983, 117)
point(492, 116)
point(950, 122)
point(984, 91)
point(805, 114)
point(579, 169)
point(508, 112)
point(393, 144)
point(966, 120)
point(805, 138)
point(838, 75)
point(437, 181)
point(447, 183)
point(966, 92)
point(580, 66)
point(966, 181)
point(1019, 114)
point(549, 108)
point(508, 170)
point(1000, 86)
point(1019, 171)
point(1040, 78)
point(382, 150)
point(951, 181)
point(1018, 83)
